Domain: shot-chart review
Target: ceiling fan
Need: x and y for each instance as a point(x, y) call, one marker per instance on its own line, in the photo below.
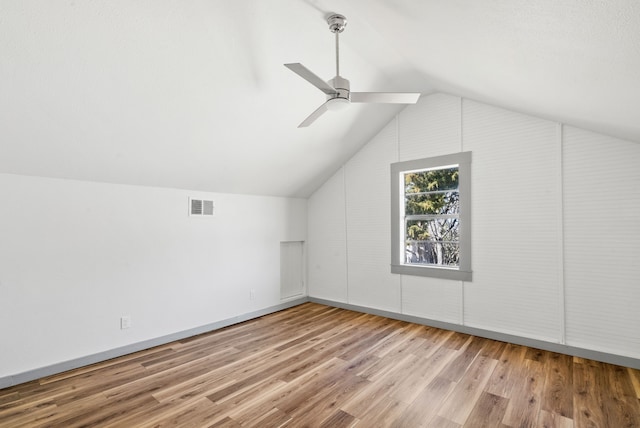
point(337, 89)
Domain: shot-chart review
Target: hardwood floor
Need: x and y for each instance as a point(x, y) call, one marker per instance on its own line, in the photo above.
point(318, 366)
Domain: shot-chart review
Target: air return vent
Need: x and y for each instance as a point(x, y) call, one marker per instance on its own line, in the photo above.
point(201, 207)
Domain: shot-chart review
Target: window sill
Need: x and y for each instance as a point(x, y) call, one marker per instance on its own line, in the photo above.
point(433, 272)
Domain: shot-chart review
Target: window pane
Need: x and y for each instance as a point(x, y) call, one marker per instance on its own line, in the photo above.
point(432, 253)
point(432, 242)
point(432, 203)
point(445, 229)
point(432, 180)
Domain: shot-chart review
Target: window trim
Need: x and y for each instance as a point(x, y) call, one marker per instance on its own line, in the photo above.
point(461, 273)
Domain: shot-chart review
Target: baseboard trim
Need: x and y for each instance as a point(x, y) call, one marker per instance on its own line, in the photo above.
point(64, 366)
point(590, 354)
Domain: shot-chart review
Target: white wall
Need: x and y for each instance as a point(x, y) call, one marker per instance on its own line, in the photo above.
point(368, 213)
point(516, 215)
point(602, 245)
point(554, 236)
point(327, 259)
point(76, 256)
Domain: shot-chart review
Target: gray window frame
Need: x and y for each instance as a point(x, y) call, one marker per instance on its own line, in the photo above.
point(463, 271)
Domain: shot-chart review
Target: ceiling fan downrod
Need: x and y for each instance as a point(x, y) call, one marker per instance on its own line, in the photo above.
point(337, 23)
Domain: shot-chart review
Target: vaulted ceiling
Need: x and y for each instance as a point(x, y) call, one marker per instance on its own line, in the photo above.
point(194, 95)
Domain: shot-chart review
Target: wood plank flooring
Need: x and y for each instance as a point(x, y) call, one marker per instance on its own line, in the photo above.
point(317, 366)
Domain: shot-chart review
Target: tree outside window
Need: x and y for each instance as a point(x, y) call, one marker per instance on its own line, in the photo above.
point(431, 217)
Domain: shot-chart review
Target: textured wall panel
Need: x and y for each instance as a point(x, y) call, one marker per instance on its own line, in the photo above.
point(327, 245)
point(516, 217)
point(430, 128)
point(602, 242)
point(368, 224)
point(432, 298)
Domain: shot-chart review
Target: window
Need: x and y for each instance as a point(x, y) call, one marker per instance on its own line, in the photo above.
point(430, 217)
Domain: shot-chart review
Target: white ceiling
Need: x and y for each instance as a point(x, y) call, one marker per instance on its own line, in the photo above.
point(193, 94)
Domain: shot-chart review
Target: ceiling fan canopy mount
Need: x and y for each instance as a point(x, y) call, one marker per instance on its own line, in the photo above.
point(337, 23)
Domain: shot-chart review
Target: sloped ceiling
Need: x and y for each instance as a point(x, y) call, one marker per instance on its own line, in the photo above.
point(193, 94)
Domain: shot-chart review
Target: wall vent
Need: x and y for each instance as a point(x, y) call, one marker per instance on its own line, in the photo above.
point(201, 207)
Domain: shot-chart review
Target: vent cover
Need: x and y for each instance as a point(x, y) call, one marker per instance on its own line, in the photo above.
point(201, 207)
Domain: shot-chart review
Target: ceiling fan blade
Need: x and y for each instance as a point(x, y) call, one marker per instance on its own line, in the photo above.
point(385, 97)
point(311, 77)
point(313, 116)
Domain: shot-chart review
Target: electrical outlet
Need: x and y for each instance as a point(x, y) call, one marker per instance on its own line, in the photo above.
point(252, 294)
point(125, 322)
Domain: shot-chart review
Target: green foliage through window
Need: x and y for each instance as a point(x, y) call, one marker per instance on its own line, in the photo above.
point(431, 209)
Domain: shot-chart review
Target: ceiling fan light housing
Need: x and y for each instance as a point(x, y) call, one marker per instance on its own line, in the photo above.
point(339, 100)
point(337, 103)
